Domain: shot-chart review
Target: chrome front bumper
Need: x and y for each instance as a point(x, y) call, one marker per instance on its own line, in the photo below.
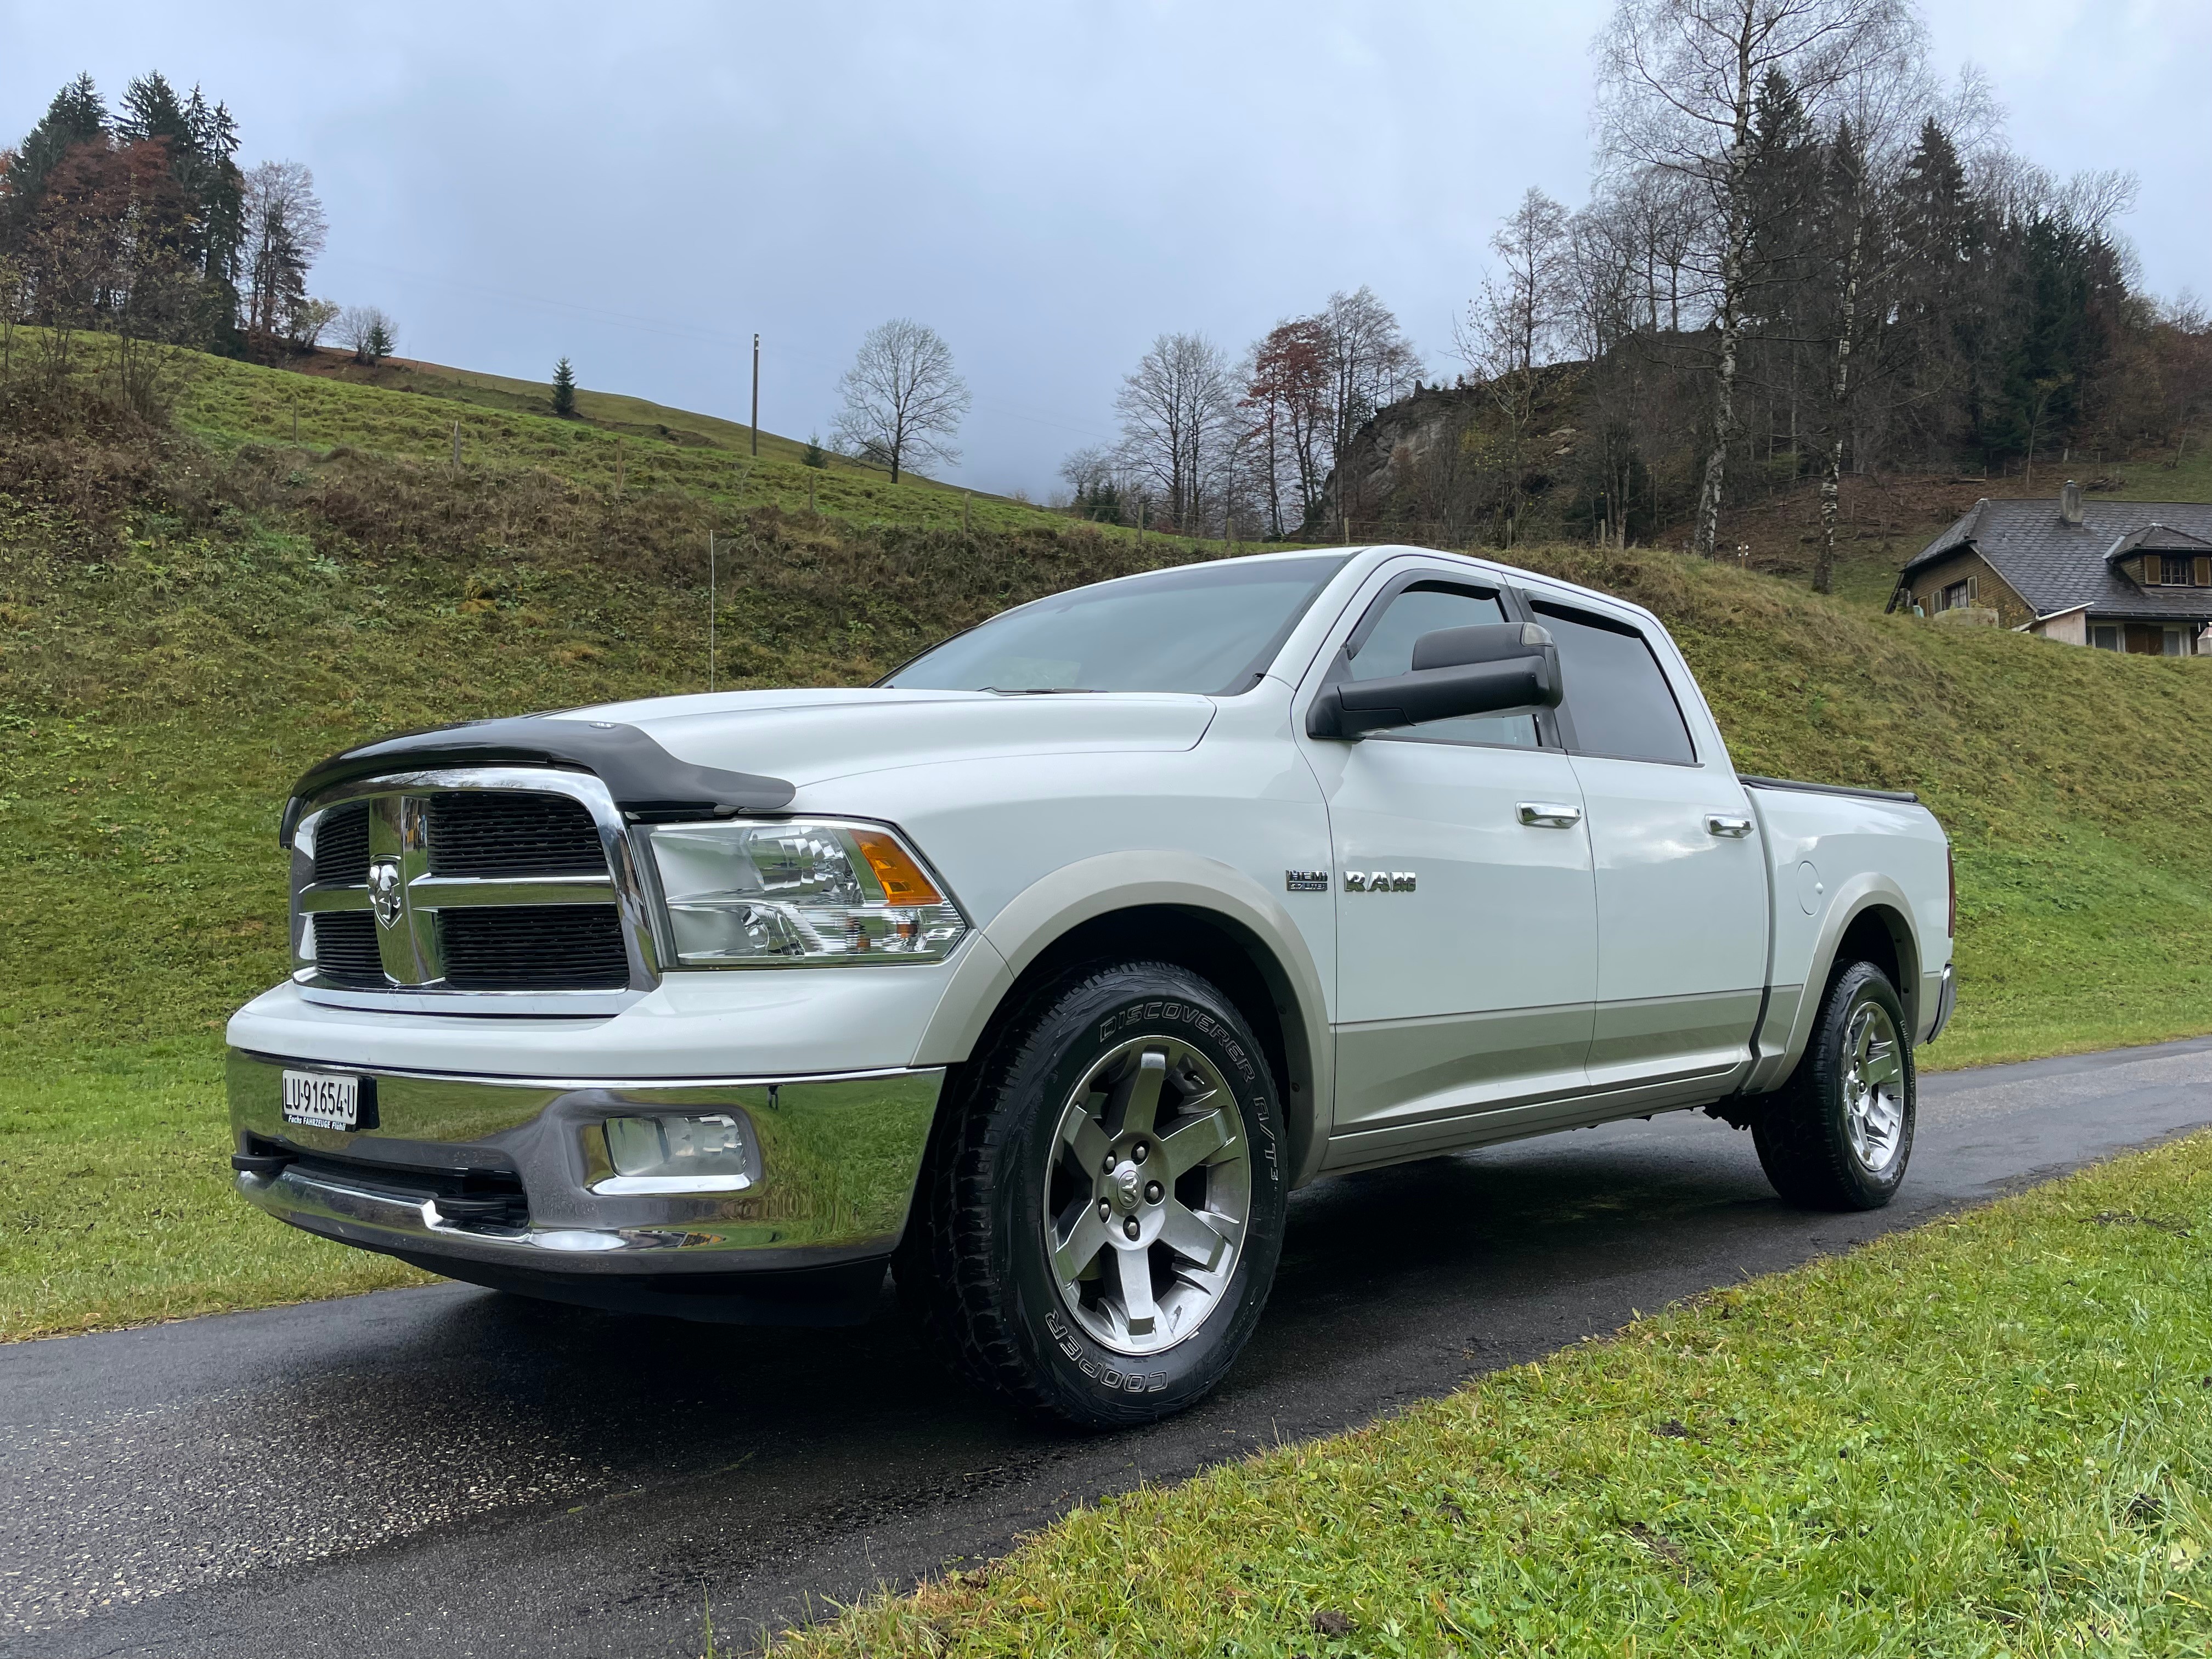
point(838, 1159)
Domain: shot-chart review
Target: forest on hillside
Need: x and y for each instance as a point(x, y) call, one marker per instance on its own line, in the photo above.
point(137, 225)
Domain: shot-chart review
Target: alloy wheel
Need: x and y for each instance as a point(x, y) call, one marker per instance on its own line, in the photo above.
point(1148, 1195)
point(1874, 1088)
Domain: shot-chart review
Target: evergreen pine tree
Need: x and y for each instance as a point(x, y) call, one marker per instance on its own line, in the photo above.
point(564, 390)
point(150, 110)
point(76, 116)
point(815, 455)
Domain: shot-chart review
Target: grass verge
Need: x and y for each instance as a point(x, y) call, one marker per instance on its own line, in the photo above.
point(1992, 1436)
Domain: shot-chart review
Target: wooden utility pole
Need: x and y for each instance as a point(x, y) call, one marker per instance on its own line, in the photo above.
point(755, 394)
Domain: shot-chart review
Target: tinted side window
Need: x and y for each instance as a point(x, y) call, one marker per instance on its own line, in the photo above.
point(1388, 650)
point(1617, 698)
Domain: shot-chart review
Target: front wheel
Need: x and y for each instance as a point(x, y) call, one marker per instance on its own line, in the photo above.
point(1099, 1228)
point(1838, 1134)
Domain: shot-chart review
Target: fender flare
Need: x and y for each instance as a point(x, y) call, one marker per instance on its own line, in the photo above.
point(1863, 892)
point(1046, 910)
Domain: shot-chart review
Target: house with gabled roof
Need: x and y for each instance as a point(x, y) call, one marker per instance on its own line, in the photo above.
point(2119, 575)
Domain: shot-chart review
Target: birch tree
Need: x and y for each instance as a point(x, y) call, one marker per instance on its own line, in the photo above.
point(1513, 321)
point(1678, 84)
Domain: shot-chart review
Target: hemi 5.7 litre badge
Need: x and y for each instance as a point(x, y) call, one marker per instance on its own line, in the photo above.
point(1305, 881)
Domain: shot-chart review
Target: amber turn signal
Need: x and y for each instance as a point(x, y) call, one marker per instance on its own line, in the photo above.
point(904, 882)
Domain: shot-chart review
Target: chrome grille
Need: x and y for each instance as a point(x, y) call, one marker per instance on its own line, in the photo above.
point(432, 888)
point(345, 945)
point(492, 833)
point(342, 845)
point(567, 946)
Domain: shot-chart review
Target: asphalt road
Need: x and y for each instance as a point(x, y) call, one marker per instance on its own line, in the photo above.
point(448, 1471)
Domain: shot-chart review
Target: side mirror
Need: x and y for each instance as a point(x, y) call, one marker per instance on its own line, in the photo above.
point(1496, 669)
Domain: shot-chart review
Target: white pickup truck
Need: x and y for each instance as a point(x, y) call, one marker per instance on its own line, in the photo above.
point(1043, 971)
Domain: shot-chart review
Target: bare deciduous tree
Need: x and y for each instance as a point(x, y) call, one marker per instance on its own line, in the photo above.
point(1680, 82)
point(1290, 421)
point(903, 399)
point(1178, 422)
point(1513, 321)
point(310, 320)
point(285, 231)
point(1371, 362)
point(368, 333)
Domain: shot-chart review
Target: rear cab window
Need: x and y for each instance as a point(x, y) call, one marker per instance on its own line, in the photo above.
point(1619, 702)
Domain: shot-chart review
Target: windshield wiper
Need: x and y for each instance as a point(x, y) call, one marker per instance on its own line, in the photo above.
point(1040, 691)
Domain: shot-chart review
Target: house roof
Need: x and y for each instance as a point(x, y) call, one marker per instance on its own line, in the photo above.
point(2056, 566)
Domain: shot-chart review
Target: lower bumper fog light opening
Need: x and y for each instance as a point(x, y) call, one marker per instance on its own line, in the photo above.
point(715, 1153)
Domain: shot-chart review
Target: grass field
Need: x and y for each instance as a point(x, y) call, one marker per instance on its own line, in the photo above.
point(187, 622)
point(1990, 1437)
point(624, 448)
point(609, 411)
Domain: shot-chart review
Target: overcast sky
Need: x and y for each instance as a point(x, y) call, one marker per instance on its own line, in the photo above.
point(640, 187)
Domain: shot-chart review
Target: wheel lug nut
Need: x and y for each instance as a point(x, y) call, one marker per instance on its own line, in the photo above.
point(1152, 1191)
point(1131, 1227)
point(1109, 1164)
point(1139, 1151)
point(1105, 1211)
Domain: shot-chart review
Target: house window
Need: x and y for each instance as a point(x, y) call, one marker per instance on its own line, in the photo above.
point(2107, 636)
point(2174, 572)
point(2176, 642)
point(1958, 595)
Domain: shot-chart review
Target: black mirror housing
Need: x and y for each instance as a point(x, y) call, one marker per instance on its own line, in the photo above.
point(1459, 647)
point(1499, 668)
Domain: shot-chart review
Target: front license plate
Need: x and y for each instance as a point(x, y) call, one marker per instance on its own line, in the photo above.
point(327, 1100)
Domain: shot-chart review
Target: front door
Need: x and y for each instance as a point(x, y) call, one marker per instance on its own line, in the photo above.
point(1681, 881)
point(1466, 915)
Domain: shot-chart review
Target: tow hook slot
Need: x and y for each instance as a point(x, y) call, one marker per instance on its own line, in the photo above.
point(261, 1166)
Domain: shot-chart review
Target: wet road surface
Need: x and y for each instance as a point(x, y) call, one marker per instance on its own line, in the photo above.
point(446, 1471)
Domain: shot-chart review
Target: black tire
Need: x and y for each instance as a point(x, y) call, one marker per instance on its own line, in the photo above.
point(975, 1270)
point(1804, 1132)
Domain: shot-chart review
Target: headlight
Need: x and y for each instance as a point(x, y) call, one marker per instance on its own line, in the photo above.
point(803, 890)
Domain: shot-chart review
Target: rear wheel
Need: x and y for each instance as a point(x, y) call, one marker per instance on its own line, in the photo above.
point(1099, 1228)
point(1838, 1134)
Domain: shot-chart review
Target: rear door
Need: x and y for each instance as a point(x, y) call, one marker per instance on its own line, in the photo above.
point(1681, 881)
point(1465, 921)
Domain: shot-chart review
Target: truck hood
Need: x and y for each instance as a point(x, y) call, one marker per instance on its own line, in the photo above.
point(809, 736)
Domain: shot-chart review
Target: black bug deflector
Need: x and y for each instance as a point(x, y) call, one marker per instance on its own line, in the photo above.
point(645, 780)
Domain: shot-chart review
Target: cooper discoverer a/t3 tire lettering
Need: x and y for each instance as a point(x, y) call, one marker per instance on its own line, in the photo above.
point(1099, 1225)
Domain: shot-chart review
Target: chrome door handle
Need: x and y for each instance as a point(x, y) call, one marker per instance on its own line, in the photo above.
point(1720, 824)
point(1549, 815)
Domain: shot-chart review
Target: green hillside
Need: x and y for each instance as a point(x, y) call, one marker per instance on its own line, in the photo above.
point(406, 413)
point(188, 619)
point(609, 411)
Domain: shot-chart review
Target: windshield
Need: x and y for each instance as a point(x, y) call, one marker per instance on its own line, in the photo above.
point(1211, 629)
